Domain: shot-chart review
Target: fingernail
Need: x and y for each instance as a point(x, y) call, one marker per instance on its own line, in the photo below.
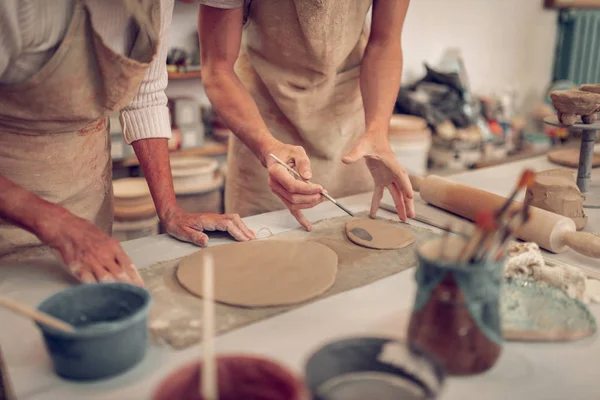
point(87, 279)
point(107, 278)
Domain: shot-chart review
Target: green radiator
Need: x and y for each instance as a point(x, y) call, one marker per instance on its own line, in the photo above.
point(578, 47)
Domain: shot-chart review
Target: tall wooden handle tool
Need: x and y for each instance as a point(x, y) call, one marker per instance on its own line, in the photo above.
point(550, 231)
point(35, 315)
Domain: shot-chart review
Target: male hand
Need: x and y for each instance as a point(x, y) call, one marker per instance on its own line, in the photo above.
point(89, 254)
point(190, 227)
point(295, 194)
point(386, 171)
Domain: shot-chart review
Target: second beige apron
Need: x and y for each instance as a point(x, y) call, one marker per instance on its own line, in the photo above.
point(54, 137)
point(300, 60)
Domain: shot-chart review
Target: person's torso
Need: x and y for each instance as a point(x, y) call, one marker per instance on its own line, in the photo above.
point(93, 69)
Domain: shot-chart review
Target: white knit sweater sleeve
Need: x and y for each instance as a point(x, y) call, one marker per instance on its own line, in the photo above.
point(147, 116)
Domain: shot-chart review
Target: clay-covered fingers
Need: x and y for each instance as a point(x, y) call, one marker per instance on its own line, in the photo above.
point(399, 201)
point(279, 174)
point(401, 183)
point(295, 201)
point(233, 224)
point(376, 200)
point(129, 272)
point(237, 228)
point(297, 213)
point(194, 236)
point(237, 220)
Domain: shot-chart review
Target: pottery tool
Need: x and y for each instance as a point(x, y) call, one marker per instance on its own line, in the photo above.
point(208, 384)
point(297, 175)
point(36, 315)
point(550, 231)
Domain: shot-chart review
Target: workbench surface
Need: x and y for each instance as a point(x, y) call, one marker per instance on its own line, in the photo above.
point(524, 371)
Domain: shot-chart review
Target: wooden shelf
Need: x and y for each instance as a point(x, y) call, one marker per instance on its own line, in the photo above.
point(559, 4)
point(210, 148)
point(185, 75)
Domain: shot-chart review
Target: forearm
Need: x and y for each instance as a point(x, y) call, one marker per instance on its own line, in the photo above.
point(25, 209)
point(153, 155)
point(238, 110)
point(381, 71)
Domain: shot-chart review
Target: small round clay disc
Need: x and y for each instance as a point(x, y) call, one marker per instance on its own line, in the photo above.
point(378, 234)
point(263, 273)
point(570, 158)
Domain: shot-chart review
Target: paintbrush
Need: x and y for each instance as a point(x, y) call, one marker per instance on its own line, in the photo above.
point(297, 175)
point(518, 220)
point(484, 223)
point(526, 180)
point(209, 388)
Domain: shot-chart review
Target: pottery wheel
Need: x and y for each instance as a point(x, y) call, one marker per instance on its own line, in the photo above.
point(263, 273)
point(570, 158)
point(378, 234)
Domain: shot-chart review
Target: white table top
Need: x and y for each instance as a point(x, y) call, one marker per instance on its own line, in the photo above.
point(524, 371)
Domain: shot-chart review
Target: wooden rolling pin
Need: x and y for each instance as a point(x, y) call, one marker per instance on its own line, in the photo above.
point(550, 231)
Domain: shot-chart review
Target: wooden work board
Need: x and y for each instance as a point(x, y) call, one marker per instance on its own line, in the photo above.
point(176, 315)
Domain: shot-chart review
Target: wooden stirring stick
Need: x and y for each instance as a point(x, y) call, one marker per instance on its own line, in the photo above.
point(297, 175)
point(36, 315)
point(209, 387)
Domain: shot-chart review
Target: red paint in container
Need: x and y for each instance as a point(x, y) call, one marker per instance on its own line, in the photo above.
point(240, 377)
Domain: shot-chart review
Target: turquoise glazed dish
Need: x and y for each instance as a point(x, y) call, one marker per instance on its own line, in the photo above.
point(111, 329)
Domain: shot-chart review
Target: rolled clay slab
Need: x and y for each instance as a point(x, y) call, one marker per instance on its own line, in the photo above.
point(378, 234)
point(263, 273)
point(570, 158)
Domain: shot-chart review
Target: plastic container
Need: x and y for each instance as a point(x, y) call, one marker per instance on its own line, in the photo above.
point(111, 329)
point(372, 368)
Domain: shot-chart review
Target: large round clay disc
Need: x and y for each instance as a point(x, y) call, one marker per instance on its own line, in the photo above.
point(570, 158)
point(263, 273)
point(378, 234)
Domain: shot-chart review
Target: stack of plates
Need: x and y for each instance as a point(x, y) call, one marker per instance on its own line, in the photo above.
point(195, 175)
point(133, 201)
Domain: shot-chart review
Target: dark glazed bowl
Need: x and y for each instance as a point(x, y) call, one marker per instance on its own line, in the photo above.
point(111, 329)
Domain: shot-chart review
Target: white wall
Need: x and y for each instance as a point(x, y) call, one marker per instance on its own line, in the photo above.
point(502, 42)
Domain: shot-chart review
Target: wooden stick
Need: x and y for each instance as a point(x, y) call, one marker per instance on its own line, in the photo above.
point(209, 387)
point(444, 242)
point(36, 315)
point(297, 175)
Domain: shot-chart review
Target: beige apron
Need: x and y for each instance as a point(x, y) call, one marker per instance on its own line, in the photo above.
point(54, 137)
point(300, 60)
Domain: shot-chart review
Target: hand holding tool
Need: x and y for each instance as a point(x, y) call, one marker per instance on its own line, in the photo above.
point(297, 175)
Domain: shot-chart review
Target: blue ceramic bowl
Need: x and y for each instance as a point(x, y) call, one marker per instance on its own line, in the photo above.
point(111, 329)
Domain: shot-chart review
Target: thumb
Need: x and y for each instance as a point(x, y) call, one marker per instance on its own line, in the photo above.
point(197, 237)
point(356, 154)
point(303, 165)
